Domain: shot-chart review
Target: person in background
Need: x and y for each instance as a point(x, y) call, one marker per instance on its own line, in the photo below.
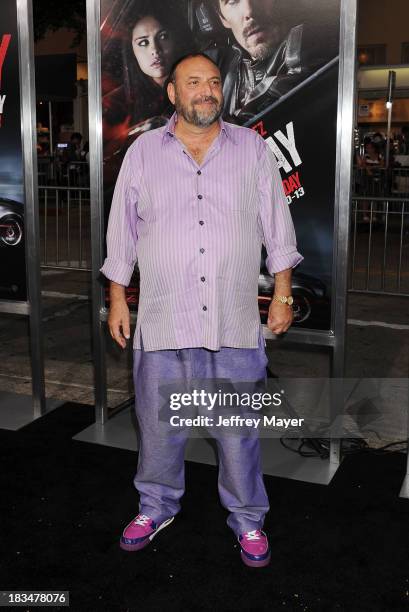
point(85, 152)
point(373, 184)
point(404, 146)
point(380, 142)
point(75, 167)
point(74, 147)
point(43, 147)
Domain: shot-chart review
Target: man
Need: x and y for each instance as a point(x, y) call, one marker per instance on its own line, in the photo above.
point(404, 146)
point(74, 155)
point(267, 59)
point(193, 202)
point(74, 147)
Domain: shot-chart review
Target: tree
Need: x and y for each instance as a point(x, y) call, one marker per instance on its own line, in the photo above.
point(69, 14)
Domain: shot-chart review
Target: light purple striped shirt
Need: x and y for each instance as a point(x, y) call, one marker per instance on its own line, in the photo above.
point(196, 233)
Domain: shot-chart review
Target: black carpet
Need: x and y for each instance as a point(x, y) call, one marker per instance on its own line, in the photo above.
point(64, 504)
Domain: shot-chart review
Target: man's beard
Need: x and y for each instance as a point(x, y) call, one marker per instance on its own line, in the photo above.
point(265, 49)
point(196, 117)
point(261, 52)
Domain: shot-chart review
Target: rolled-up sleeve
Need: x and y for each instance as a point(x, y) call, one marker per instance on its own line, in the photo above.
point(277, 225)
point(121, 232)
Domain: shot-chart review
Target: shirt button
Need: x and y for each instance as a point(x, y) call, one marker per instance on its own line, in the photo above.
point(199, 172)
point(202, 278)
point(201, 222)
point(199, 197)
point(204, 307)
point(202, 250)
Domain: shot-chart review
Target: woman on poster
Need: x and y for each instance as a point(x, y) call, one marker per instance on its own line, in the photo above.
point(152, 40)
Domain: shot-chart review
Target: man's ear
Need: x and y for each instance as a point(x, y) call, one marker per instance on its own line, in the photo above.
point(171, 92)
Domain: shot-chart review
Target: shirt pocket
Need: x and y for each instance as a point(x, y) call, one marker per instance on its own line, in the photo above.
point(242, 196)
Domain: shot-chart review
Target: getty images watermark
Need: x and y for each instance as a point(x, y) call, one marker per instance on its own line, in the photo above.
point(200, 398)
point(318, 407)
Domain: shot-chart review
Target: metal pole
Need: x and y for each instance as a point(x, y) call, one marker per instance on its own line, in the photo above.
point(389, 104)
point(388, 135)
point(404, 492)
point(345, 125)
point(97, 212)
point(50, 123)
point(32, 224)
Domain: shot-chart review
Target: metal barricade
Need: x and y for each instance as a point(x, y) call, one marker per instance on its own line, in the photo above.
point(379, 261)
point(73, 174)
point(374, 182)
point(60, 172)
point(45, 170)
point(400, 182)
point(65, 225)
point(377, 182)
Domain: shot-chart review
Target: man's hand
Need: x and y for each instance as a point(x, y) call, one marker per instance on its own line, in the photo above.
point(280, 317)
point(118, 318)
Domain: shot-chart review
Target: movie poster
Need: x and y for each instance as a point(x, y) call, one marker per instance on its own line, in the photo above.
point(12, 256)
point(279, 64)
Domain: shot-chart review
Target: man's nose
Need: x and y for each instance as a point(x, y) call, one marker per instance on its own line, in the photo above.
point(248, 8)
point(206, 89)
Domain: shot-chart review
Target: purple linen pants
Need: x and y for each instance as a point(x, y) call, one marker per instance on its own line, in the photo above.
point(160, 477)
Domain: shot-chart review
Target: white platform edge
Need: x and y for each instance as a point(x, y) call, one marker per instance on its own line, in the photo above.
point(16, 410)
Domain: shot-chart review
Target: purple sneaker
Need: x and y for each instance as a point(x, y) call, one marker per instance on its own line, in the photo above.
point(140, 532)
point(255, 551)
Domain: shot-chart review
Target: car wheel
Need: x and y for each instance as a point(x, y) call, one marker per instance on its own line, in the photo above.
point(301, 307)
point(11, 230)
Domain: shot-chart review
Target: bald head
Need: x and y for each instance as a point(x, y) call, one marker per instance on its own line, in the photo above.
point(181, 60)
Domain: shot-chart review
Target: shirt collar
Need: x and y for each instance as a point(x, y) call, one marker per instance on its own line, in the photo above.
point(169, 129)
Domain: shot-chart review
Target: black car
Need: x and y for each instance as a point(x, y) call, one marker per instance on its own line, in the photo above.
point(11, 222)
point(311, 304)
point(12, 257)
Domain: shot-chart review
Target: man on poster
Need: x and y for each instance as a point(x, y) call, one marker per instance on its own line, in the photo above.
point(266, 60)
point(193, 203)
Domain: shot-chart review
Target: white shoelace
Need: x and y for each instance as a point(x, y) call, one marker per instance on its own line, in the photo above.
point(142, 520)
point(253, 535)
